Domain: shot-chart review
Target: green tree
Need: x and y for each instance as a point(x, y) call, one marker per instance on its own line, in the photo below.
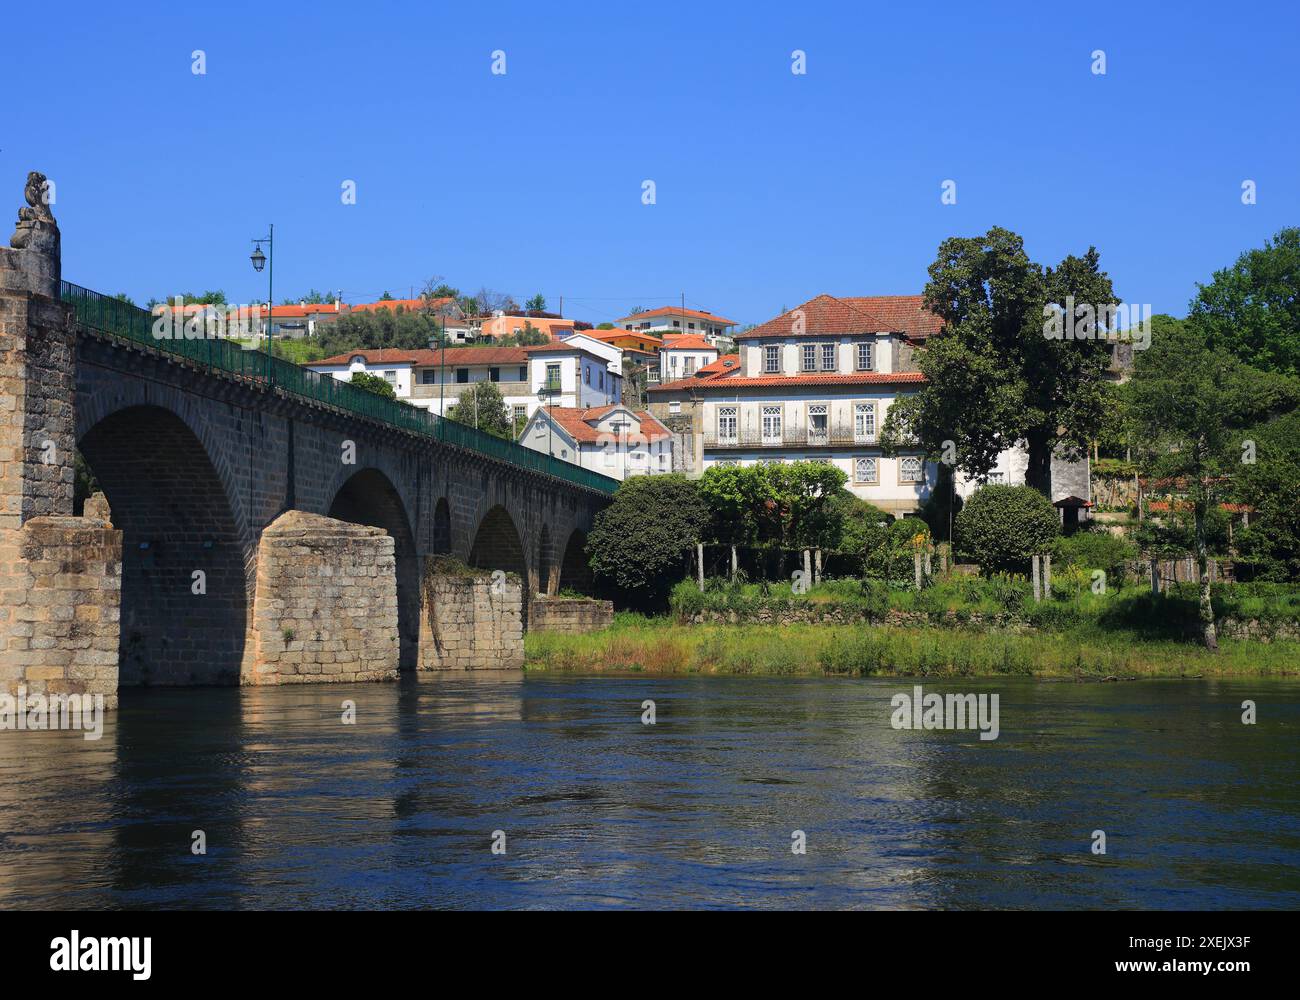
point(1252, 309)
point(1271, 485)
point(1191, 406)
point(373, 383)
point(312, 298)
point(1001, 527)
point(993, 375)
point(536, 304)
point(482, 406)
point(641, 543)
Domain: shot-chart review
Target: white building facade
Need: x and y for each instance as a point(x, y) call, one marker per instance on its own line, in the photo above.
point(615, 440)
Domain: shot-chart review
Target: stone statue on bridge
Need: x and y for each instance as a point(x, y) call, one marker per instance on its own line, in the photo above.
point(33, 263)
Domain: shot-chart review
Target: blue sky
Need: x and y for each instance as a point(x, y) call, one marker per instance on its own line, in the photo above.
point(771, 187)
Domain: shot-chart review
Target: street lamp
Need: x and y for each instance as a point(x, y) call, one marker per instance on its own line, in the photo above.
point(259, 261)
point(544, 394)
point(441, 335)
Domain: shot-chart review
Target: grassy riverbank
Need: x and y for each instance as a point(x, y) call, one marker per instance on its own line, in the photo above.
point(659, 645)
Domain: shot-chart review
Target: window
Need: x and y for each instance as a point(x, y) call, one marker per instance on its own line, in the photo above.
point(523, 373)
point(586, 374)
point(429, 376)
point(462, 375)
point(864, 422)
point(690, 365)
point(809, 357)
point(828, 357)
point(600, 378)
point(772, 359)
point(726, 423)
point(864, 358)
point(817, 429)
point(911, 469)
point(553, 376)
point(864, 470)
point(674, 407)
point(390, 378)
point(672, 361)
point(677, 323)
point(690, 326)
point(519, 414)
point(494, 374)
point(771, 425)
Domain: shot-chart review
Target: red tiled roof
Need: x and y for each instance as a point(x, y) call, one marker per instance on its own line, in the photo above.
point(731, 382)
point(827, 314)
point(685, 342)
point(905, 313)
point(575, 421)
point(409, 304)
point(726, 363)
point(708, 317)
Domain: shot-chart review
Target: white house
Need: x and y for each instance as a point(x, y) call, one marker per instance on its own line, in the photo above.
point(563, 374)
point(682, 356)
point(614, 440)
point(680, 320)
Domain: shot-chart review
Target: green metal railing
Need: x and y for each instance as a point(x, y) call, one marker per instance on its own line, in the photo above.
point(129, 322)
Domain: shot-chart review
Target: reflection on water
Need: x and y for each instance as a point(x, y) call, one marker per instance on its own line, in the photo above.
point(300, 810)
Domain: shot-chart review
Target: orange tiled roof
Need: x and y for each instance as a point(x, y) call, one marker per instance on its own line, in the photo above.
point(827, 314)
point(686, 342)
point(577, 422)
point(408, 304)
point(724, 364)
point(708, 317)
point(733, 382)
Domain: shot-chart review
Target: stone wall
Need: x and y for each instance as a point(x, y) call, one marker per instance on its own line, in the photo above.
point(59, 601)
point(325, 607)
point(564, 614)
point(470, 620)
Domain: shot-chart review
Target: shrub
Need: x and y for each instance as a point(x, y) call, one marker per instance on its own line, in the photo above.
point(1095, 549)
point(1000, 527)
point(641, 543)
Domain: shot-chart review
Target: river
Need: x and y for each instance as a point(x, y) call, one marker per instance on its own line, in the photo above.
point(595, 808)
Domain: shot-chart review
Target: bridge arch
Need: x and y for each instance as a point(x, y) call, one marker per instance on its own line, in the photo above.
point(442, 527)
point(498, 545)
point(575, 571)
point(184, 613)
point(369, 497)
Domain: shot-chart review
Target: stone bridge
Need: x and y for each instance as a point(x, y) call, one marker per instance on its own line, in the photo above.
point(171, 580)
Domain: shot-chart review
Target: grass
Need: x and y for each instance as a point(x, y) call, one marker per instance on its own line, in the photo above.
point(659, 645)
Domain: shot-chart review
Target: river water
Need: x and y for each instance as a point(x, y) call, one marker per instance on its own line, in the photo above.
point(597, 809)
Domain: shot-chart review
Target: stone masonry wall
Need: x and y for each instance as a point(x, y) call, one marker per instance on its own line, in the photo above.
point(470, 621)
point(562, 614)
point(60, 588)
point(325, 608)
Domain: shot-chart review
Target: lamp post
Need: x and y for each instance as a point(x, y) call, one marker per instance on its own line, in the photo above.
point(267, 260)
point(544, 395)
point(441, 335)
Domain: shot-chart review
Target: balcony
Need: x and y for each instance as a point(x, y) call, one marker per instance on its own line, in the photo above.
point(791, 437)
point(453, 389)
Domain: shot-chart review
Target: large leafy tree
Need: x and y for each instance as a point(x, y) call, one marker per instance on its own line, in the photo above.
point(993, 375)
point(483, 407)
point(1191, 407)
point(642, 541)
point(1252, 309)
point(374, 383)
